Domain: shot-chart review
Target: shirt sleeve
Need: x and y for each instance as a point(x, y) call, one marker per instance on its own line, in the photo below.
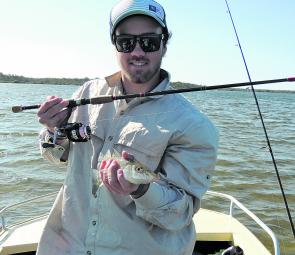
point(187, 165)
point(52, 154)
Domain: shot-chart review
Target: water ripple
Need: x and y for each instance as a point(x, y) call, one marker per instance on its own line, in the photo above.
point(244, 168)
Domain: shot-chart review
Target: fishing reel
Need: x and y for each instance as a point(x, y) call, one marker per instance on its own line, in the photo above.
point(75, 132)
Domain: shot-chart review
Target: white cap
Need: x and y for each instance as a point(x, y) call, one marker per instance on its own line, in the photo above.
point(126, 8)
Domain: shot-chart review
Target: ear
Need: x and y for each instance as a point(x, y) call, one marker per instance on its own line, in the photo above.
point(164, 50)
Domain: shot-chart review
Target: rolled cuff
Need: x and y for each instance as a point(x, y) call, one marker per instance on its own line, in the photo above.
point(156, 196)
point(52, 154)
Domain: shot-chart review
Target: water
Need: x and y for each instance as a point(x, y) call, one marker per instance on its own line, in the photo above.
point(244, 169)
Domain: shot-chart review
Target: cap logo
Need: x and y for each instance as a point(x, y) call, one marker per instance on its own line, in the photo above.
point(152, 8)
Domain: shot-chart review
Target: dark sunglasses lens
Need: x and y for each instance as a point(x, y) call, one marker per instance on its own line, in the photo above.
point(125, 43)
point(150, 43)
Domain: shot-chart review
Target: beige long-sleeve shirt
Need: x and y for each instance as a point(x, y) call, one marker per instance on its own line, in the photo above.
point(167, 134)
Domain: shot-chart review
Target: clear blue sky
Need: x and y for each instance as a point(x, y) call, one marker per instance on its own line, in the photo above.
point(70, 38)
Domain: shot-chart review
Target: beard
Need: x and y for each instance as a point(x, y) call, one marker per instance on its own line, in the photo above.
point(142, 75)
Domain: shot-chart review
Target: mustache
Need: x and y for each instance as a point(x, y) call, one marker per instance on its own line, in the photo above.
point(135, 58)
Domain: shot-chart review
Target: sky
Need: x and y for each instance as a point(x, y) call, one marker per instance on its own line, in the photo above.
point(70, 38)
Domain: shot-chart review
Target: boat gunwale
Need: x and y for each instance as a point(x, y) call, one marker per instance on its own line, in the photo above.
point(234, 202)
point(4, 227)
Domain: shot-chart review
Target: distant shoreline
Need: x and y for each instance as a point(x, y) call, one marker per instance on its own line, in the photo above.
point(16, 79)
point(8, 78)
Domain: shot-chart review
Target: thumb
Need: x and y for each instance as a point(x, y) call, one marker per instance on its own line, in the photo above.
point(127, 156)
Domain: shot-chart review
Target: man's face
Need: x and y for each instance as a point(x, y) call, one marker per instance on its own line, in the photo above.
point(139, 66)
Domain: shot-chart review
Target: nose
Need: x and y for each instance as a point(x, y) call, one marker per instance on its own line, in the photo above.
point(137, 50)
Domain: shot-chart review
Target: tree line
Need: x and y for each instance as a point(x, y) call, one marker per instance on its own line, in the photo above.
point(11, 78)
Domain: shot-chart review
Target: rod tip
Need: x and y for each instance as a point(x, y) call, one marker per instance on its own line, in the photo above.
point(16, 109)
point(291, 79)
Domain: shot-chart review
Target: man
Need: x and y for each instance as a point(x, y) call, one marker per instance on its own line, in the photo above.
point(97, 210)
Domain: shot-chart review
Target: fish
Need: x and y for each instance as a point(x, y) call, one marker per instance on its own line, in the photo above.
point(133, 171)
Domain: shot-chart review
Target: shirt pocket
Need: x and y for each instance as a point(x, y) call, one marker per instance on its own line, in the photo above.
point(107, 237)
point(146, 142)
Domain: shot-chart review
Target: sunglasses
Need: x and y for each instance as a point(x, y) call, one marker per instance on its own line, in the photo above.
point(148, 42)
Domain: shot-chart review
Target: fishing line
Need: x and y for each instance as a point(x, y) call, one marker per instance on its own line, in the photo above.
point(111, 98)
point(262, 121)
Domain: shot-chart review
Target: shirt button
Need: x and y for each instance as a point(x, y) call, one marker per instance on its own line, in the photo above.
point(110, 138)
point(88, 252)
point(94, 223)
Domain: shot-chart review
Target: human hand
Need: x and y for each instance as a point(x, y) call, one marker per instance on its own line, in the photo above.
point(53, 112)
point(112, 176)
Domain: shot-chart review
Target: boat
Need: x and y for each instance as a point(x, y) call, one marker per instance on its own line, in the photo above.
point(217, 232)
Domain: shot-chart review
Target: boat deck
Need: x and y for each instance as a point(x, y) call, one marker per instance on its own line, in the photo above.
point(216, 226)
point(22, 239)
point(211, 226)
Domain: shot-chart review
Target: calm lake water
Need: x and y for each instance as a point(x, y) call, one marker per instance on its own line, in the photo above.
point(244, 169)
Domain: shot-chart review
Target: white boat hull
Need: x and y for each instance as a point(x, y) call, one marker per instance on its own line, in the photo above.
point(211, 227)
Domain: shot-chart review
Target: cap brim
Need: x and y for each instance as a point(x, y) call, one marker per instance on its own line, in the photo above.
point(136, 12)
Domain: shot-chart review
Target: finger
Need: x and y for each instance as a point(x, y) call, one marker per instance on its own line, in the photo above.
point(103, 164)
point(112, 175)
point(104, 176)
point(113, 189)
point(50, 97)
point(49, 102)
point(52, 112)
point(55, 108)
point(108, 163)
point(127, 186)
point(108, 175)
point(106, 181)
point(125, 155)
point(61, 114)
point(54, 121)
point(103, 171)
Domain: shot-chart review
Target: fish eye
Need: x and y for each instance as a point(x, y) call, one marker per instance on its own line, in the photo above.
point(138, 168)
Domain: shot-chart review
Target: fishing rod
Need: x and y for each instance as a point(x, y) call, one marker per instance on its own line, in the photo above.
point(110, 98)
point(262, 121)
